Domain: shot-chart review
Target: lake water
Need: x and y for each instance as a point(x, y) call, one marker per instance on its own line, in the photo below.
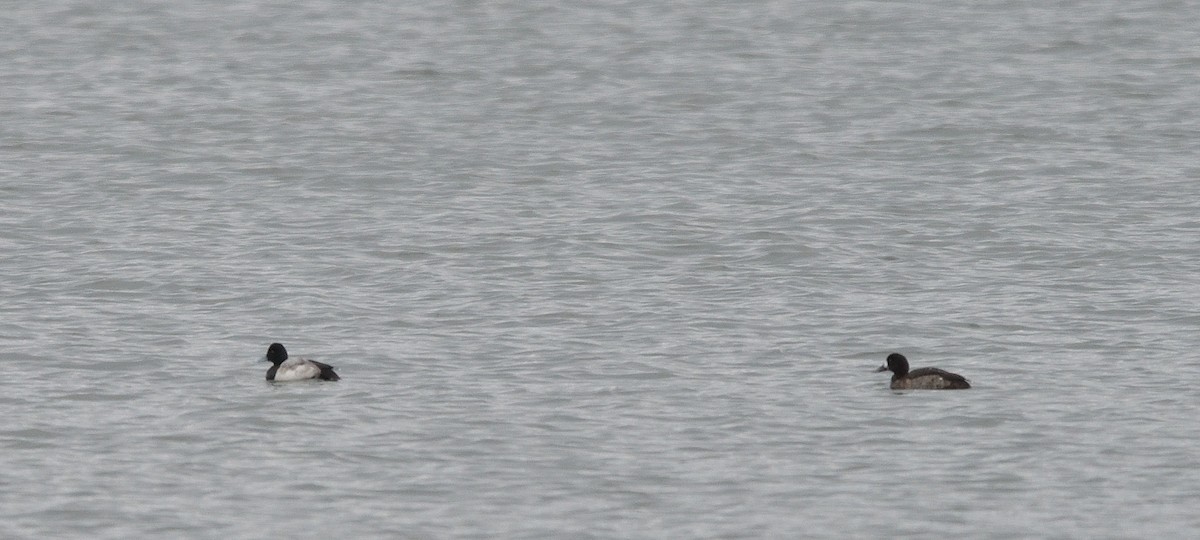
point(599, 269)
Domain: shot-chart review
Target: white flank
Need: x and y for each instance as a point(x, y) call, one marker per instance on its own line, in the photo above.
point(296, 369)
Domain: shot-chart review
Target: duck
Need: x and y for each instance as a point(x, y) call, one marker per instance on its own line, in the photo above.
point(296, 369)
point(929, 378)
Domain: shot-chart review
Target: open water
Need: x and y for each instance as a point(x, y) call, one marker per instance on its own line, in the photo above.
point(614, 269)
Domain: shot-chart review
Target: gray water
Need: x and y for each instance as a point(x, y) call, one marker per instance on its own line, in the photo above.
point(599, 269)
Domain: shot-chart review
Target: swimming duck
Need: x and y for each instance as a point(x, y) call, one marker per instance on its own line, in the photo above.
point(296, 369)
point(929, 378)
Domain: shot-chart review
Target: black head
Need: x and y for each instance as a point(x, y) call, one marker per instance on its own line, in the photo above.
point(896, 363)
point(276, 354)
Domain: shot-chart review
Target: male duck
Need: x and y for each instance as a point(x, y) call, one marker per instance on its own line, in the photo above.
point(929, 378)
point(296, 369)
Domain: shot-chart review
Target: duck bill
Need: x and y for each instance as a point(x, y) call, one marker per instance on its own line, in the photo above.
point(881, 368)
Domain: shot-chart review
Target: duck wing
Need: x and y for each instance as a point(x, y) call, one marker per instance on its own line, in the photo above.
point(954, 380)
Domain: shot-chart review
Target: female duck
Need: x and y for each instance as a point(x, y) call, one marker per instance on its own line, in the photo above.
point(296, 369)
point(929, 378)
